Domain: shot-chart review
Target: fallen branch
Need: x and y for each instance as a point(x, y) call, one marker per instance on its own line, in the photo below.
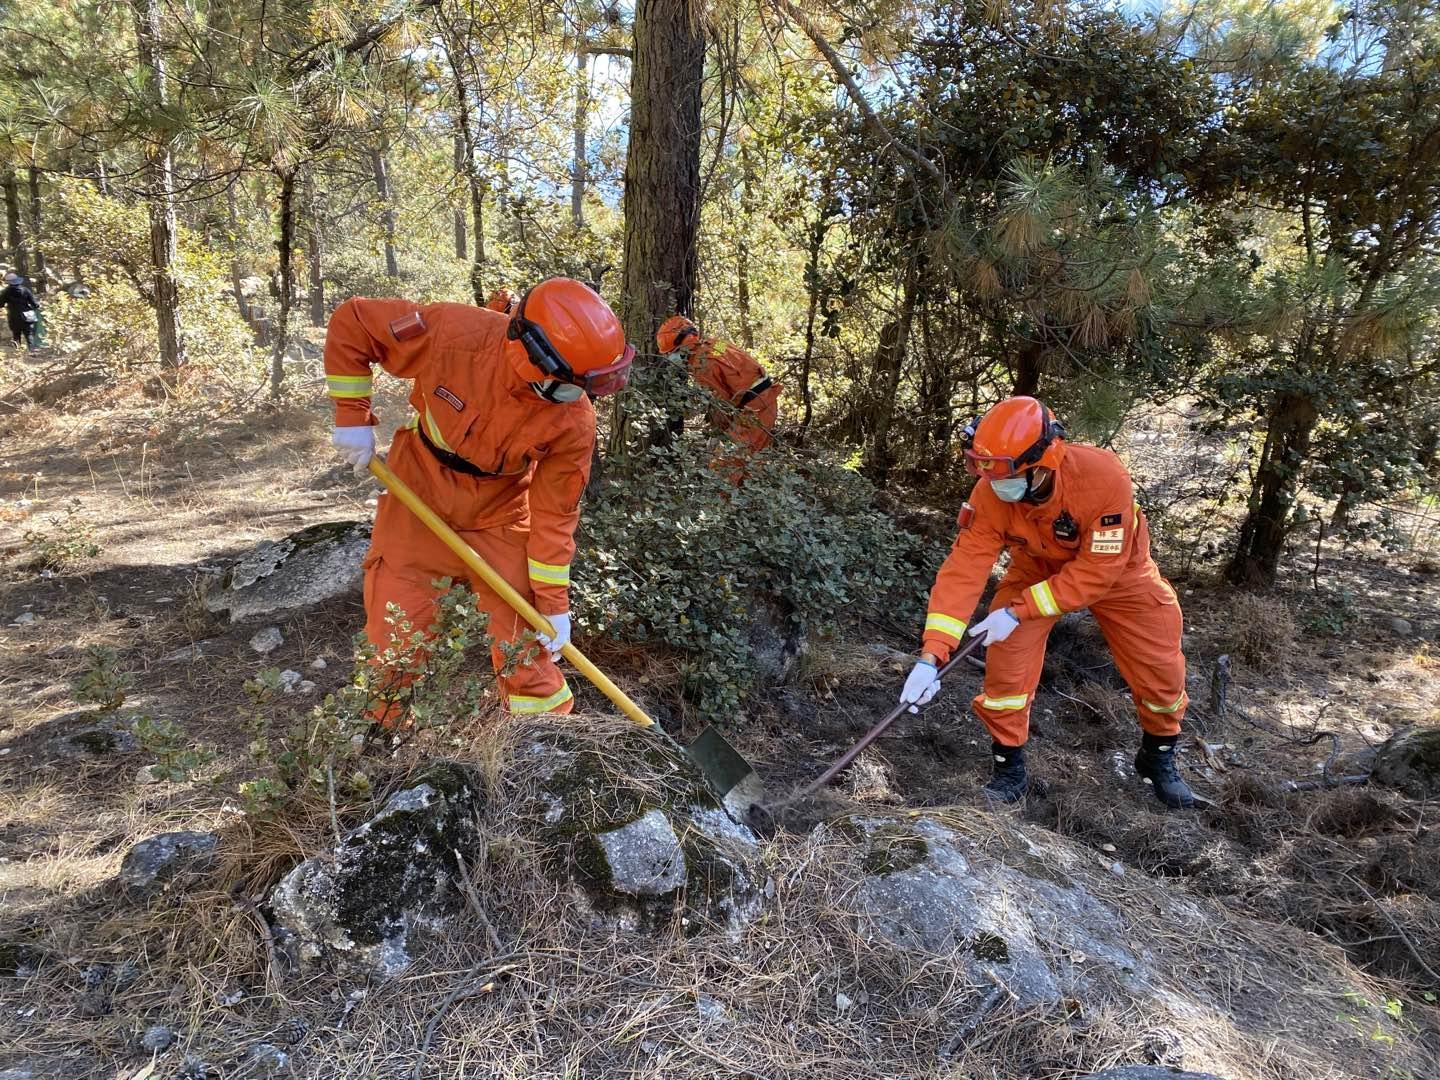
point(1400, 930)
point(474, 985)
point(973, 1021)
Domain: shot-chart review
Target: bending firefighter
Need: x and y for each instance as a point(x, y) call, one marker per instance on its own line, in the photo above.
point(499, 446)
point(732, 375)
point(1077, 539)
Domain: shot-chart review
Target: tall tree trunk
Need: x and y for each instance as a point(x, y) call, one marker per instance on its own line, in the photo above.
point(387, 206)
point(35, 230)
point(1029, 361)
point(466, 161)
point(14, 229)
point(582, 118)
point(1292, 421)
point(742, 248)
point(812, 287)
point(662, 171)
point(461, 246)
point(159, 181)
point(285, 245)
point(234, 221)
point(888, 365)
point(314, 252)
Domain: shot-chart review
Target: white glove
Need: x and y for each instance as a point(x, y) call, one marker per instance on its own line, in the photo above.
point(561, 623)
point(355, 446)
point(996, 626)
point(922, 684)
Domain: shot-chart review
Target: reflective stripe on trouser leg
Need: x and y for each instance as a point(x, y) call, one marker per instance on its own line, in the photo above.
point(1143, 628)
point(1012, 670)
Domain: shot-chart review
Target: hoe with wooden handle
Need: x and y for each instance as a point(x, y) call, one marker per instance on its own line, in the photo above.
point(731, 777)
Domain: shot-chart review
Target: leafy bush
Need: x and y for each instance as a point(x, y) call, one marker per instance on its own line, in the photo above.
point(417, 676)
point(63, 541)
point(673, 554)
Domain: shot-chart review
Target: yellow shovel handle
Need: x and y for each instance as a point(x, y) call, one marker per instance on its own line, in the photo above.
point(508, 593)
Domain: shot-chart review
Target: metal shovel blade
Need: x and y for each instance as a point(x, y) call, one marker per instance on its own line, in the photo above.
point(729, 775)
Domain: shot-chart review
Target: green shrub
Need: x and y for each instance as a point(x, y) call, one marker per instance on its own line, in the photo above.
point(62, 541)
point(673, 554)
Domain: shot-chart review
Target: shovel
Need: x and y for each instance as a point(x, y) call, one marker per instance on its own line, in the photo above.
point(847, 758)
point(729, 775)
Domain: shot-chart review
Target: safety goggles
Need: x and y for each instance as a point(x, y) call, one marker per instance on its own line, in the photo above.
point(598, 382)
point(996, 467)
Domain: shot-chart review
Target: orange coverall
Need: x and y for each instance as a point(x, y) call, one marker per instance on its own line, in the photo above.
point(732, 374)
point(1087, 545)
point(469, 402)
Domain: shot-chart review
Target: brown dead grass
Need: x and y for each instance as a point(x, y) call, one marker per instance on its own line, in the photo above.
point(1262, 632)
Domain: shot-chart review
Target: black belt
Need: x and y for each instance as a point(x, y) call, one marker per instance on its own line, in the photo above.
point(449, 460)
point(754, 392)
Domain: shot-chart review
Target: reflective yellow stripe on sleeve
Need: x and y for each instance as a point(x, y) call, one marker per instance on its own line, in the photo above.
point(944, 624)
point(1044, 599)
point(1173, 707)
point(1006, 704)
point(433, 430)
point(348, 386)
point(523, 704)
point(549, 573)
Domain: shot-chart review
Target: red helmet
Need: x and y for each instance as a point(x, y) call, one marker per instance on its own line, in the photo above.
point(570, 334)
point(1017, 434)
point(673, 332)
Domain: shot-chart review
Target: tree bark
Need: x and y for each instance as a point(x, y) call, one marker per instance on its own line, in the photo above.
point(582, 115)
point(285, 245)
point(461, 246)
point(14, 229)
point(314, 252)
point(1292, 420)
point(36, 230)
point(1029, 361)
point(742, 248)
point(888, 365)
point(662, 171)
point(387, 207)
point(467, 163)
point(235, 275)
point(159, 182)
point(812, 287)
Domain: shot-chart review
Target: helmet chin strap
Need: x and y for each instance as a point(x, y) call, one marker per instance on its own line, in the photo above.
point(1038, 493)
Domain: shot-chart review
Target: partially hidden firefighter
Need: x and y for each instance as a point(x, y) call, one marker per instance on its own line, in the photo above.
point(1077, 539)
point(750, 396)
point(499, 446)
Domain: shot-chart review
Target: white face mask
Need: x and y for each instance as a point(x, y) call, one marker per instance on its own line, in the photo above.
point(1011, 489)
point(560, 393)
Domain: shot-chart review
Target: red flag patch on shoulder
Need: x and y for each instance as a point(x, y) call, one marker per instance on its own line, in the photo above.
point(407, 326)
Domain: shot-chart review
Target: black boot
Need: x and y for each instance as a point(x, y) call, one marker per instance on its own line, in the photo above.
point(1155, 764)
point(1009, 783)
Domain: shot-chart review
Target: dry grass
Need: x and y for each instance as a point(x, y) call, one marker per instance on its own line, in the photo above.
point(1262, 632)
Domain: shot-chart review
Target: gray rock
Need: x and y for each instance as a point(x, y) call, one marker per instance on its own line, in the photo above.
point(100, 740)
point(153, 864)
point(929, 890)
point(25, 618)
point(776, 637)
point(1409, 761)
point(393, 877)
point(644, 857)
point(307, 567)
point(1148, 1072)
point(267, 1058)
point(641, 846)
point(267, 641)
point(1400, 626)
point(157, 1039)
point(19, 1073)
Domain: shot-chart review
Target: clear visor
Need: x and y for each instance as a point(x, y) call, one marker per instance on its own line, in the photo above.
point(609, 379)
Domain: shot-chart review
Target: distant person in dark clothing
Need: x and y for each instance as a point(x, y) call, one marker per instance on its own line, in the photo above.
point(21, 308)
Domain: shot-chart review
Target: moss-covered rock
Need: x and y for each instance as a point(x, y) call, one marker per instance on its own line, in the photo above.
point(1410, 762)
point(394, 875)
point(315, 564)
point(629, 824)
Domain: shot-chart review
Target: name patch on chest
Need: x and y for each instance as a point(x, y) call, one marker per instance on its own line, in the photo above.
point(449, 399)
point(1107, 541)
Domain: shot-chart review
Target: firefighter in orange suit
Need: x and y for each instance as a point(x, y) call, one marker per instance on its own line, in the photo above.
point(1077, 539)
point(499, 446)
point(501, 300)
point(732, 375)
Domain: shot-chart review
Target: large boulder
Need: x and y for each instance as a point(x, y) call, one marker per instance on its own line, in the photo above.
point(931, 891)
point(1409, 761)
point(317, 563)
point(628, 825)
point(359, 909)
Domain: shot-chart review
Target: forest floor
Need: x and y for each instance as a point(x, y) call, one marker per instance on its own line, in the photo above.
point(1320, 676)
